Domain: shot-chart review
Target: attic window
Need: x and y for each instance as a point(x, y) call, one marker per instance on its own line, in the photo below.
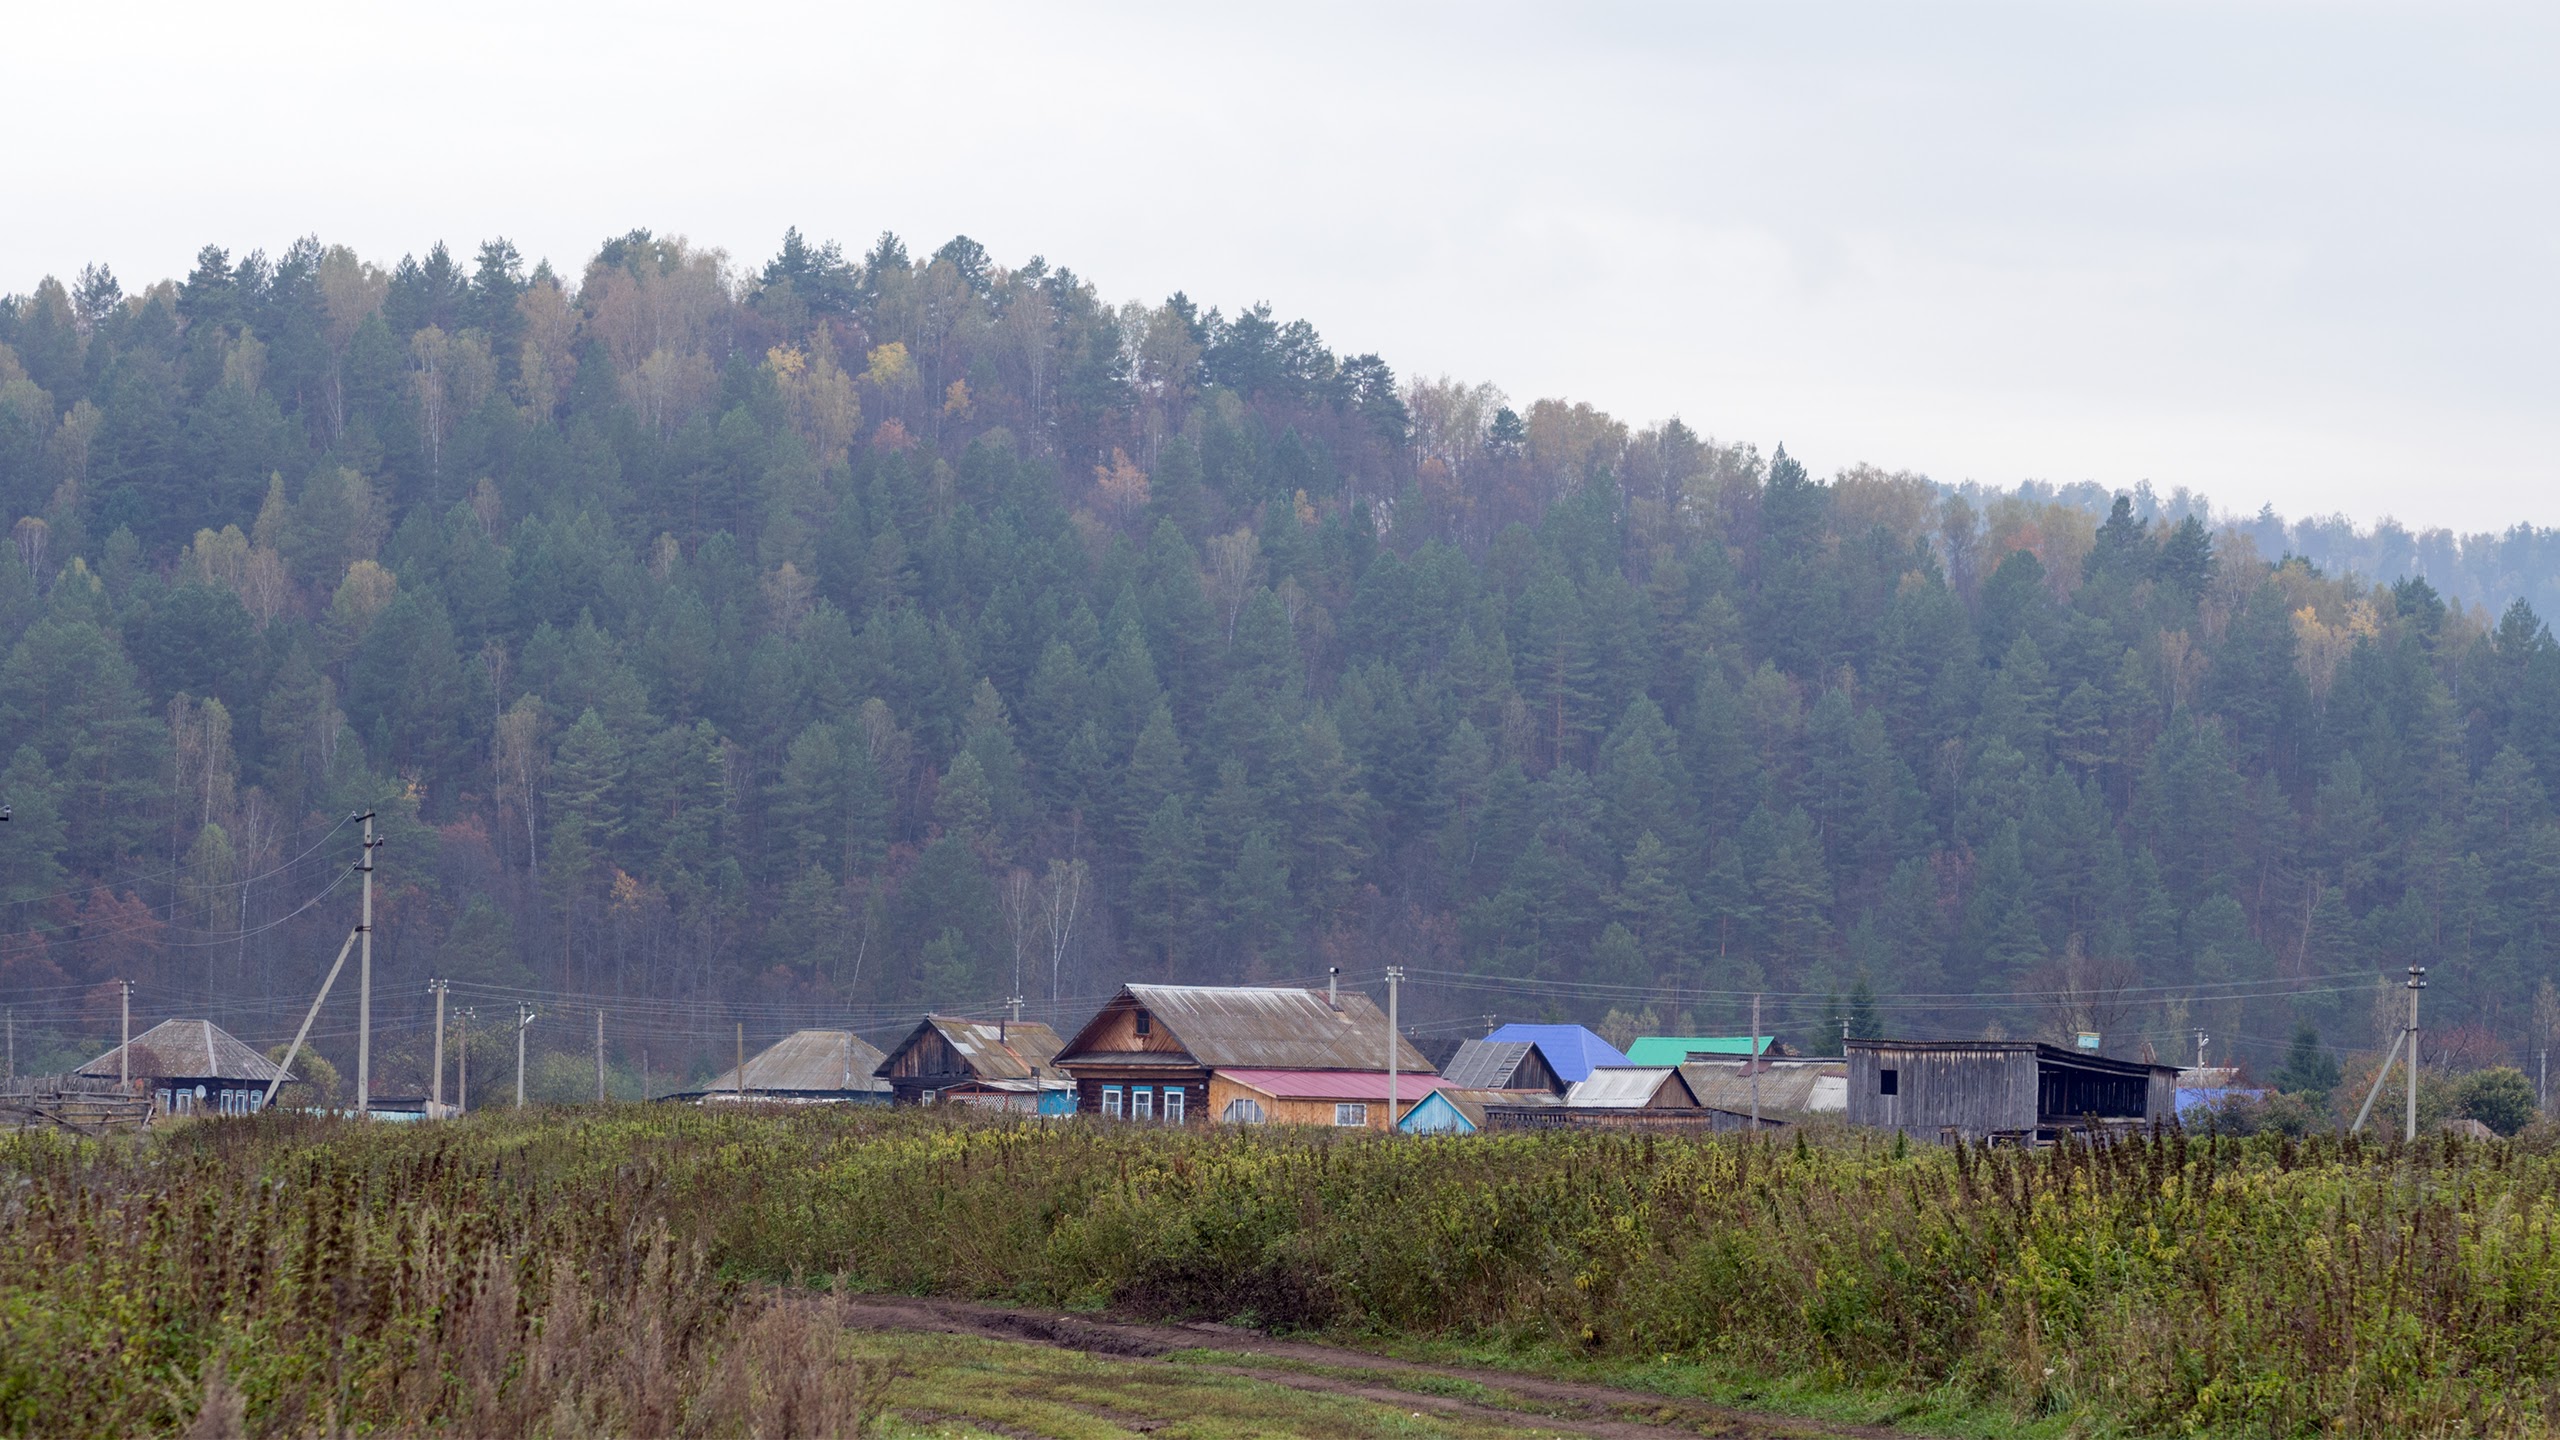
point(1146, 1023)
point(1888, 1082)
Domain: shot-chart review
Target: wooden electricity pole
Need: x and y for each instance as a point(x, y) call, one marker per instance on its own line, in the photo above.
point(599, 1054)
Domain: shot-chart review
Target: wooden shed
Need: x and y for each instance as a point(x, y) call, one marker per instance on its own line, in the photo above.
point(1150, 1052)
point(995, 1064)
point(2019, 1090)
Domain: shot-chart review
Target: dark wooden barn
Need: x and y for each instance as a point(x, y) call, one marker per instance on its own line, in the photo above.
point(2001, 1089)
point(997, 1064)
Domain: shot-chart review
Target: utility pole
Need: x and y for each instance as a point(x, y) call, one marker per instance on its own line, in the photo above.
point(124, 1031)
point(1017, 1007)
point(524, 1018)
point(13, 1042)
point(1395, 977)
point(364, 980)
point(1844, 1035)
point(599, 1054)
point(462, 1062)
point(435, 1092)
point(2417, 982)
point(2201, 1041)
point(1755, 1064)
point(740, 1074)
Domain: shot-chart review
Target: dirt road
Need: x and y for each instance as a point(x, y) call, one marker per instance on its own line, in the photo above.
point(1498, 1397)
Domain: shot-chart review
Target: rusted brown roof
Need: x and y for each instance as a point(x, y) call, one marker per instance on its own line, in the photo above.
point(1227, 1027)
point(187, 1050)
point(833, 1060)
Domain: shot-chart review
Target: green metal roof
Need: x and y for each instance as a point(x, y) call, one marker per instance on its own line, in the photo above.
point(1676, 1049)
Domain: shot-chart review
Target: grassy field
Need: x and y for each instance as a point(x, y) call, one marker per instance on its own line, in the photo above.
point(615, 1271)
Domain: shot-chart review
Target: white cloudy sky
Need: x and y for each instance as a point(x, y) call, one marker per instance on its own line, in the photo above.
point(2289, 253)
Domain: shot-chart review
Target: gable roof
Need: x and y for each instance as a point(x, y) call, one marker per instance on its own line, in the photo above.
point(1333, 1084)
point(1486, 1064)
point(1625, 1087)
point(1803, 1087)
point(1470, 1103)
point(1229, 1027)
point(829, 1060)
point(187, 1049)
point(1007, 1050)
point(1571, 1050)
point(1680, 1049)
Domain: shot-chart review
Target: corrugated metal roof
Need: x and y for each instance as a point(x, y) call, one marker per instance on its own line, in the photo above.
point(188, 1050)
point(1486, 1064)
point(1801, 1088)
point(1620, 1087)
point(1228, 1027)
point(1571, 1051)
point(1007, 1050)
point(1999, 1049)
point(837, 1060)
point(1333, 1084)
point(1678, 1049)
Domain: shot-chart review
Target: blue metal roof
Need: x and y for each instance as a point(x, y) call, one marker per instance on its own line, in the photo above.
point(1571, 1051)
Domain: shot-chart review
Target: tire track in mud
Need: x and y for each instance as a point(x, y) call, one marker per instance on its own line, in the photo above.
point(1529, 1403)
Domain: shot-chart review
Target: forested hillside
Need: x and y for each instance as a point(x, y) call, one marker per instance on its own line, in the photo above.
point(841, 637)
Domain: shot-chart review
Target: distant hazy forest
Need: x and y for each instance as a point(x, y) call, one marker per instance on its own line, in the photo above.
point(834, 637)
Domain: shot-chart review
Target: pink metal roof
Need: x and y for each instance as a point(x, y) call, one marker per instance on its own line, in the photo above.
point(1333, 1084)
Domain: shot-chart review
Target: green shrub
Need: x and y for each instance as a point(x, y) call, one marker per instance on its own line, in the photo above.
point(2499, 1097)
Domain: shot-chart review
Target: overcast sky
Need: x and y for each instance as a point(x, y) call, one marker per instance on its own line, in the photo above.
point(2290, 253)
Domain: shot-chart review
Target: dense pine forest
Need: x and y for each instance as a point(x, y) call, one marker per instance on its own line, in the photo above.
point(837, 637)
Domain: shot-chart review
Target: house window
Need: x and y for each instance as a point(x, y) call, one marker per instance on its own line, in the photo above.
point(1888, 1082)
point(1173, 1100)
point(1142, 1102)
point(1146, 1023)
point(1111, 1101)
point(1347, 1113)
point(1242, 1111)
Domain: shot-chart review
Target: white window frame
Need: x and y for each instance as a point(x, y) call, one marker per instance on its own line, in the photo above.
point(1111, 1102)
point(1142, 1102)
point(1351, 1113)
point(1173, 1104)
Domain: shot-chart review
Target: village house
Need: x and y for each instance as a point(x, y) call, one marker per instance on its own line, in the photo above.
point(993, 1064)
point(1348, 1098)
point(1514, 1065)
point(1571, 1051)
point(806, 1067)
point(1164, 1054)
point(190, 1067)
point(1682, 1049)
point(1625, 1097)
point(2014, 1090)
